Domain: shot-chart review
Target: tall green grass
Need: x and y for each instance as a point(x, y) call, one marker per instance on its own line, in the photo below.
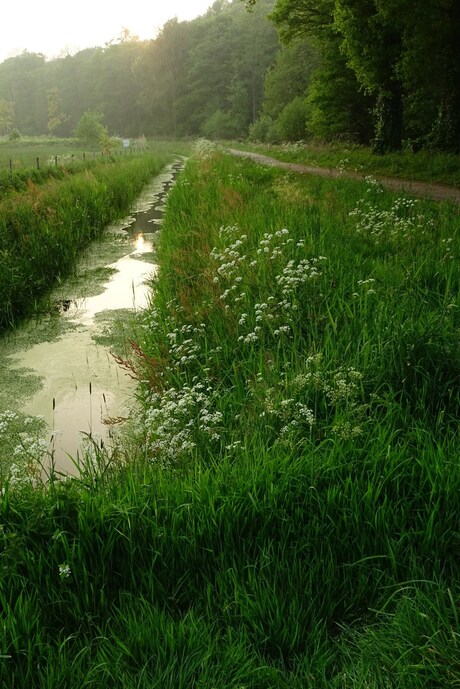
point(287, 512)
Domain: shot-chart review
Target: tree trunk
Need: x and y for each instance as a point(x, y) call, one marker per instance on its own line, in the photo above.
point(388, 120)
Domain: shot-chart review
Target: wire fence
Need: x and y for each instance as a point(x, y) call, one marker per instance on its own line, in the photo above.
point(24, 163)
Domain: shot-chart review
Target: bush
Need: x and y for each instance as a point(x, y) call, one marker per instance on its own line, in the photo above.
point(292, 121)
point(90, 128)
point(258, 131)
point(222, 125)
point(14, 135)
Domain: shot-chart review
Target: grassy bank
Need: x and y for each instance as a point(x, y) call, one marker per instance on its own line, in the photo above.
point(426, 166)
point(44, 226)
point(288, 513)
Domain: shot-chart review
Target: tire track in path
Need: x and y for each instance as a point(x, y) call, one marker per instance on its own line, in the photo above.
point(435, 191)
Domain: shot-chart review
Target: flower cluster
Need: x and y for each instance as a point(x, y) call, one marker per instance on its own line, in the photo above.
point(23, 447)
point(343, 165)
point(447, 245)
point(63, 160)
point(366, 287)
point(6, 418)
point(338, 394)
point(177, 419)
point(185, 344)
point(203, 149)
point(373, 185)
point(296, 274)
point(238, 260)
point(401, 223)
point(293, 146)
point(64, 571)
point(312, 403)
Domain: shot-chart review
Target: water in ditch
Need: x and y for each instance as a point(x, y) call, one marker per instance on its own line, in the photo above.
point(61, 370)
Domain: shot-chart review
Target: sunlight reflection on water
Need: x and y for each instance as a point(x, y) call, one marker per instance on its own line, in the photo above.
point(74, 364)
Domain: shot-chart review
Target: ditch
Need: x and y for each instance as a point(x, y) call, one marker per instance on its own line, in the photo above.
point(59, 373)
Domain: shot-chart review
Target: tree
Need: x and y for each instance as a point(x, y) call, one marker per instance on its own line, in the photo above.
point(6, 115)
point(430, 69)
point(208, 74)
point(161, 73)
point(77, 77)
point(290, 76)
point(372, 41)
point(404, 55)
point(337, 106)
point(211, 70)
point(23, 81)
point(259, 44)
point(338, 109)
point(229, 63)
point(55, 116)
point(90, 129)
point(112, 73)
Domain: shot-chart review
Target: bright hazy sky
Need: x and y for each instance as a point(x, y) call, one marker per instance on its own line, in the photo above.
point(56, 27)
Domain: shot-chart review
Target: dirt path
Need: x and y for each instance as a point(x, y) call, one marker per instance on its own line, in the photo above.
point(438, 192)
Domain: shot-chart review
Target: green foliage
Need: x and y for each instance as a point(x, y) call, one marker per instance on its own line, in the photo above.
point(404, 56)
point(292, 120)
point(337, 108)
point(258, 131)
point(284, 113)
point(14, 135)
point(43, 229)
point(372, 42)
point(221, 125)
point(290, 76)
point(430, 72)
point(21, 81)
point(6, 115)
point(55, 116)
point(90, 128)
point(168, 86)
point(288, 515)
point(290, 125)
point(385, 72)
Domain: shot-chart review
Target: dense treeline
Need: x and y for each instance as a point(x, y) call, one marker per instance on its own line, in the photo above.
point(205, 76)
point(380, 72)
point(389, 69)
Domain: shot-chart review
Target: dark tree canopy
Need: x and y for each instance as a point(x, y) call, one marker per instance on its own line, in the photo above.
point(385, 72)
point(404, 55)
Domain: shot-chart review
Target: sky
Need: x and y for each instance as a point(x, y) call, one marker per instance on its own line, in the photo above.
point(56, 28)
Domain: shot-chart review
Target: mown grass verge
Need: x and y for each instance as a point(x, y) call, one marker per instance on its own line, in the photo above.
point(288, 513)
point(44, 227)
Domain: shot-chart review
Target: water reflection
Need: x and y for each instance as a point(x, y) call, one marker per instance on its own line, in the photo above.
point(83, 389)
point(139, 243)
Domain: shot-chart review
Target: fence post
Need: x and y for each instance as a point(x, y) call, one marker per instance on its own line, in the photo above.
point(55, 160)
point(38, 163)
point(84, 155)
point(11, 167)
